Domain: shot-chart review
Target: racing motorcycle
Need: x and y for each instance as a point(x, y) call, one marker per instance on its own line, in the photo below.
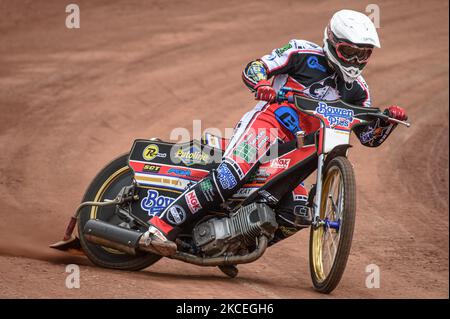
point(136, 186)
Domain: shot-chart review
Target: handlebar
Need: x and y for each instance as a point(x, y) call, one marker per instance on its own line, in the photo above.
point(281, 97)
point(386, 118)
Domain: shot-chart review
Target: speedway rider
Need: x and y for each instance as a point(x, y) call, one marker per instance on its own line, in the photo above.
point(324, 73)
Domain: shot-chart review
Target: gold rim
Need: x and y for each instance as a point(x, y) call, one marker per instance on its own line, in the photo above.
point(100, 193)
point(102, 189)
point(324, 238)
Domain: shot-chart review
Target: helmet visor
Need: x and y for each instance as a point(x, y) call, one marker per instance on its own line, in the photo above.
point(349, 52)
point(353, 54)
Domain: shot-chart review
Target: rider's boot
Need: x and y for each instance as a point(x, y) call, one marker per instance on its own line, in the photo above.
point(154, 241)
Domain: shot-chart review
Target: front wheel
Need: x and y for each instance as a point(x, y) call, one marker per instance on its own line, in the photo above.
point(106, 185)
point(331, 239)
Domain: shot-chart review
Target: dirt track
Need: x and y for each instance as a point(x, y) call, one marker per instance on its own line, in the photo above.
point(71, 100)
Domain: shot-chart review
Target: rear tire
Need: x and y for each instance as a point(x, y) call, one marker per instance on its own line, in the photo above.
point(325, 277)
point(107, 184)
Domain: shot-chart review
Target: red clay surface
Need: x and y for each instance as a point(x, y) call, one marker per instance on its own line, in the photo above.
point(71, 100)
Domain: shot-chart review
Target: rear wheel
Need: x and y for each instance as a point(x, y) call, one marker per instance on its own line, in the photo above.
point(106, 185)
point(330, 240)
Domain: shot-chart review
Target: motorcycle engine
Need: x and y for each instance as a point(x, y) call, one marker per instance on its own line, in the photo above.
point(217, 236)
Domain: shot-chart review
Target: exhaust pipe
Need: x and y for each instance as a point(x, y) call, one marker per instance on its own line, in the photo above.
point(124, 240)
point(111, 236)
point(225, 260)
point(130, 241)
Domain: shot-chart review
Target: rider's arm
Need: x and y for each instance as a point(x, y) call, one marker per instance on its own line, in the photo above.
point(253, 73)
point(283, 60)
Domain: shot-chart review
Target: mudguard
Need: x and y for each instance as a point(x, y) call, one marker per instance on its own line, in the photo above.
point(340, 150)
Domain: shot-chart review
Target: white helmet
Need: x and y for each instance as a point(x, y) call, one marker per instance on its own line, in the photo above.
point(348, 41)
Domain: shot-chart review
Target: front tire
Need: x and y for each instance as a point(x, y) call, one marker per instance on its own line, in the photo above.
point(106, 185)
point(330, 242)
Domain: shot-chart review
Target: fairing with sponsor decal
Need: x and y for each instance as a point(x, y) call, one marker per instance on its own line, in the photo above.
point(164, 170)
point(338, 118)
point(171, 166)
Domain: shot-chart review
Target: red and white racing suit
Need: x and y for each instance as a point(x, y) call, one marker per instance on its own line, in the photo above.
point(300, 65)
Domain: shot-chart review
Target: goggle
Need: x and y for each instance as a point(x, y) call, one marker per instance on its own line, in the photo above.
point(349, 52)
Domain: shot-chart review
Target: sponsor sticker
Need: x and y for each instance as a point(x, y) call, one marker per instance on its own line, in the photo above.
point(152, 151)
point(283, 49)
point(193, 202)
point(367, 137)
point(313, 63)
point(225, 177)
point(151, 168)
point(335, 115)
point(288, 118)
point(257, 71)
point(246, 151)
point(192, 155)
point(280, 163)
point(248, 148)
point(207, 189)
point(155, 203)
point(180, 172)
point(374, 133)
point(176, 215)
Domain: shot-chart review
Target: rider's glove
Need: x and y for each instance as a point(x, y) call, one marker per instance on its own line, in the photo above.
point(264, 91)
point(396, 112)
